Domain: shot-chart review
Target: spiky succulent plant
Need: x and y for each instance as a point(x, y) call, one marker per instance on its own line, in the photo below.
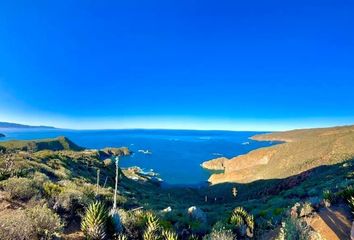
point(121, 237)
point(94, 223)
point(169, 235)
point(242, 219)
point(152, 227)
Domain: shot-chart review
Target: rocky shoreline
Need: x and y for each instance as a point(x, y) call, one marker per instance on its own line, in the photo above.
point(283, 160)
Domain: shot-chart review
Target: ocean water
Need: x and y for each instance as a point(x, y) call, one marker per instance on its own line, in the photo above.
point(175, 154)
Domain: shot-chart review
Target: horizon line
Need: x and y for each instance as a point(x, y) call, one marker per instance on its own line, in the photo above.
point(164, 129)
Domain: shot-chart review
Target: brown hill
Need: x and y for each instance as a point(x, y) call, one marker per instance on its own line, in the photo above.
point(302, 150)
point(55, 144)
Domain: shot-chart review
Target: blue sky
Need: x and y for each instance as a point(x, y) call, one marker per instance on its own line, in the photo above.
point(238, 65)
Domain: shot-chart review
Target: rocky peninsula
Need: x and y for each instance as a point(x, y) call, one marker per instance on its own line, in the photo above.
point(295, 155)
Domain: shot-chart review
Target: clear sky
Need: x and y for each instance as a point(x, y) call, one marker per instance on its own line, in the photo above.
point(239, 65)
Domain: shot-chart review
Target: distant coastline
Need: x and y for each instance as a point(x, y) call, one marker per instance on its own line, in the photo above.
point(9, 125)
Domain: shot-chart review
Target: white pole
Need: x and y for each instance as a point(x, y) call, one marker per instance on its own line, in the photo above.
point(116, 185)
point(98, 181)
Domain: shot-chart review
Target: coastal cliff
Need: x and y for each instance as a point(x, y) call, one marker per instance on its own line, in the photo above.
point(302, 150)
point(215, 164)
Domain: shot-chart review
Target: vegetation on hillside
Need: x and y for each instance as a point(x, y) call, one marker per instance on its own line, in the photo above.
point(68, 194)
point(56, 144)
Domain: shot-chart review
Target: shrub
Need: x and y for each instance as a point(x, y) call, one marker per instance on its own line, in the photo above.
point(74, 196)
point(94, 223)
point(305, 209)
point(347, 193)
point(20, 188)
point(295, 229)
point(198, 228)
point(45, 222)
point(220, 225)
point(38, 222)
point(278, 211)
point(351, 204)
point(133, 223)
point(107, 162)
point(16, 225)
point(51, 189)
point(328, 196)
point(220, 235)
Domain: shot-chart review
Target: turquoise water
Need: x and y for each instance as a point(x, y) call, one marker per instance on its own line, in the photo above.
point(175, 154)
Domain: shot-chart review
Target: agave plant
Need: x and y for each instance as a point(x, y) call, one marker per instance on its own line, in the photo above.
point(169, 235)
point(193, 237)
point(94, 223)
point(351, 204)
point(243, 221)
point(121, 237)
point(152, 227)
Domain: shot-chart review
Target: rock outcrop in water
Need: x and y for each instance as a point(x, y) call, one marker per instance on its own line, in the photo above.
point(115, 152)
point(2, 135)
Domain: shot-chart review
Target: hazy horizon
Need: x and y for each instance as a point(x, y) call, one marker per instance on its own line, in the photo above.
point(230, 65)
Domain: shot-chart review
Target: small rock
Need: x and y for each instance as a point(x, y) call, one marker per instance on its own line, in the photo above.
point(312, 235)
point(197, 214)
point(167, 210)
point(326, 203)
point(294, 210)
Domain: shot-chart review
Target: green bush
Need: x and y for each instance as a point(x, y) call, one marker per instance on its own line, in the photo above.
point(295, 229)
point(278, 211)
point(347, 193)
point(133, 223)
point(220, 235)
point(16, 225)
point(351, 204)
point(45, 222)
point(328, 196)
point(38, 222)
point(51, 189)
point(107, 162)
point(20, 188)
point(73, 196)
point(306, 209)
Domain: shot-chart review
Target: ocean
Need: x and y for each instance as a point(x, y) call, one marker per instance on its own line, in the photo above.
point(174, 154)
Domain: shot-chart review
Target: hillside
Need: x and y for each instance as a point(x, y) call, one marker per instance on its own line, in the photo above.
point(16, 125)
point(48, 191)
point(302, 150)
point(55, 144)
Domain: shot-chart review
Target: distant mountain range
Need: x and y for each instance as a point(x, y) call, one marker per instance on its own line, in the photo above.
point(16, 125)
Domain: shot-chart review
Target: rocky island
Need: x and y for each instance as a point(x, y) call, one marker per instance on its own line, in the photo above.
point(2, 135)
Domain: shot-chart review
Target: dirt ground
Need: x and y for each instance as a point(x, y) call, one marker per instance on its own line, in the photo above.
point(332, 223)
